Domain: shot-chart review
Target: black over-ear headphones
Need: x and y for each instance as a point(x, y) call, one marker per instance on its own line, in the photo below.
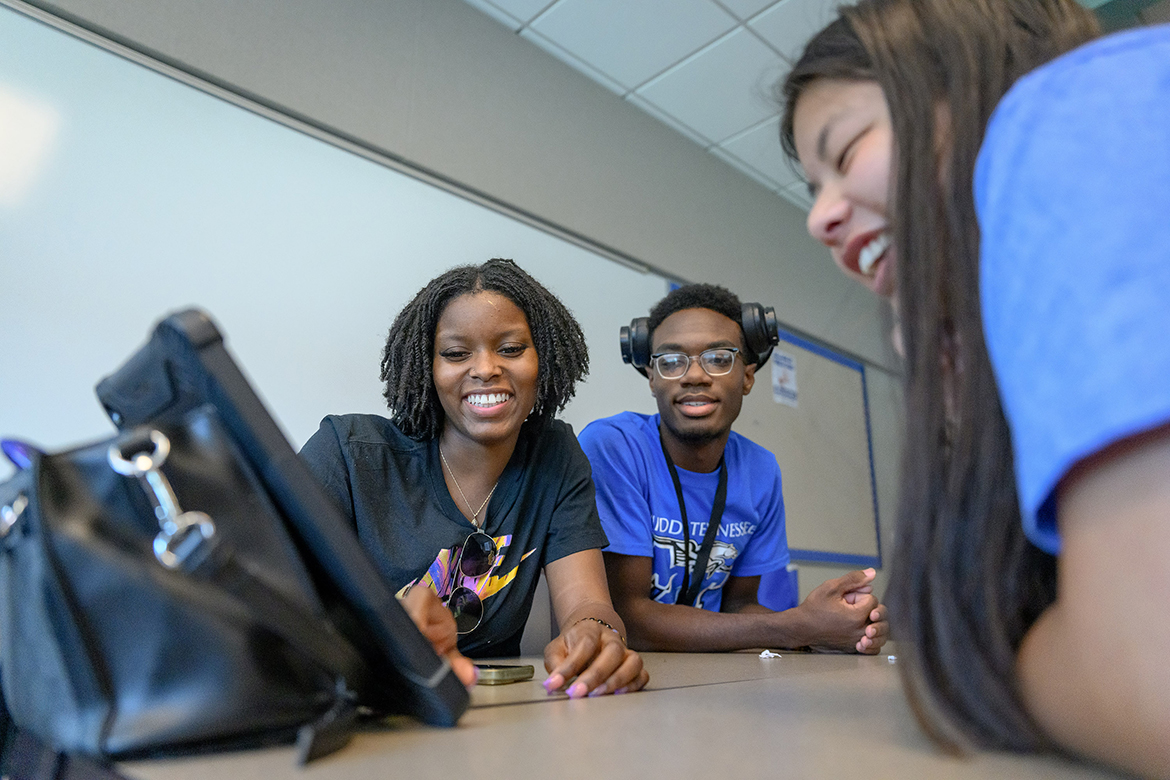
point(760, 332)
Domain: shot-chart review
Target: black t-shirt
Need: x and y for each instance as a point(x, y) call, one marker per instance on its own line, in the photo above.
point(392, 488)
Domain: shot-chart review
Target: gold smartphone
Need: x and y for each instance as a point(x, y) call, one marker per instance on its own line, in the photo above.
point(502, 674)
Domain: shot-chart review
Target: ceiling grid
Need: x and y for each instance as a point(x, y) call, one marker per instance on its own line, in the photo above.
point(706, 68)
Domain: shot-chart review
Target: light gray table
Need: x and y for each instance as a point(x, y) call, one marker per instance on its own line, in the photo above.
point(702, 716)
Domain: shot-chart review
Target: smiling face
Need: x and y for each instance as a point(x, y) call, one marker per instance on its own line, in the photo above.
point(698, 408)
point(845, 143)
point(485, 368)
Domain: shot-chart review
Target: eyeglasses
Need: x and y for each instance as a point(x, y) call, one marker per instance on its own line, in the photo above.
point(476, 557)
point(674, 365)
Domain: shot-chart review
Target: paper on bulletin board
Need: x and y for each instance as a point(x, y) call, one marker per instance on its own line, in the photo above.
point(784, 378)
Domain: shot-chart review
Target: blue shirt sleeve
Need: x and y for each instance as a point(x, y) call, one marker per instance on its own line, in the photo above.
point(574, 524)
point(619, 473)
point(1072, 195)
point(768, 549)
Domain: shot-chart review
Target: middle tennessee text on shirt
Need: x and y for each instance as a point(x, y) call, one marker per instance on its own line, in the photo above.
point(673, 526)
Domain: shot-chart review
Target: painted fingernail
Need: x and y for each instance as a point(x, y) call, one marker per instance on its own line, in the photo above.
point(554, 682)
point(598, 691)
point(620, 691)
point(577, 690)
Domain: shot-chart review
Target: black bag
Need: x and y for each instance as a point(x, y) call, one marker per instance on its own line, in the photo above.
point(187, 585)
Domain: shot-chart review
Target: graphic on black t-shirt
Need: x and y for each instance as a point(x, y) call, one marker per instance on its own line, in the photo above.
point(722, 558)
point(442, 579)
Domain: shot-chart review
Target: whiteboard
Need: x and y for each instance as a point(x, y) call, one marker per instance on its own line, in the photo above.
point(810, 407)
point(141, 195)
point(152, 196)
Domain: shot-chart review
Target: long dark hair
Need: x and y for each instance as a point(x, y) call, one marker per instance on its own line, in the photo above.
point(965, 584)
point(408, 355)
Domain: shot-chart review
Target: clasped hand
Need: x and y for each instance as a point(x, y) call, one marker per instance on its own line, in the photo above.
point(846, 616)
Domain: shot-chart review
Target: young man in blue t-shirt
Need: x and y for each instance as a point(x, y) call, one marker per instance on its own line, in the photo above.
point(664, 480)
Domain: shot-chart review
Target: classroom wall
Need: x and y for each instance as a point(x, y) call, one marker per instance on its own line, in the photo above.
point(442, 87)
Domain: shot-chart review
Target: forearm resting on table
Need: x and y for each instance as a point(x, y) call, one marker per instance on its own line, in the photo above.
point(674, 627)
point(743, 623)
point(1095, 668)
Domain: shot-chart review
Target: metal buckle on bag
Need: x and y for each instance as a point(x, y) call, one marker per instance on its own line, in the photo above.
point(10, 513)
point(182, 533)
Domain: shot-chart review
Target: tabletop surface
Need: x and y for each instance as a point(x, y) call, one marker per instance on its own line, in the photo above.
point(731, 715)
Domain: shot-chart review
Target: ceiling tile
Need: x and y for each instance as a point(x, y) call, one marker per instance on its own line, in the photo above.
point(502, 17)
point(798, 194)
point(744, 168)
point(633, 40)
point(760, 149)
point(534, 37)
point(524, 10)
point(723, 89)
point(789, 25)
point(746, 9)
point(668, 120)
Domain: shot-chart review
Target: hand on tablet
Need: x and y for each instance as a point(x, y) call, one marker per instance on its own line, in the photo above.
point(434, 621)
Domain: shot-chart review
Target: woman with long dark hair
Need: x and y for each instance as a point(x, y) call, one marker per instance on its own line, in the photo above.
point(886, 111)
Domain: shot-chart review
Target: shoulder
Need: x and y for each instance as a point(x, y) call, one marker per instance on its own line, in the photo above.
point(352, 438)
point(1105, 62)
point(744, 452)
point(368, 429)
point(555, 431)
point(1073, 274)
point(627, 439)
point(624, 427)
point(549, 443)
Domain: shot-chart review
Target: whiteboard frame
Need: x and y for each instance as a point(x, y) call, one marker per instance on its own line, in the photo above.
point(828, 556)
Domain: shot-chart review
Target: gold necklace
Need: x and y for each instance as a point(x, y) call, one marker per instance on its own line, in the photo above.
point(474, 512)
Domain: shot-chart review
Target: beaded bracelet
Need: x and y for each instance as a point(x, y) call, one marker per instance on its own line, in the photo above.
point(607, 625)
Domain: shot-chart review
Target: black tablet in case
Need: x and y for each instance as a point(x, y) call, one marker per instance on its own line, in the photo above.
point(184, 365)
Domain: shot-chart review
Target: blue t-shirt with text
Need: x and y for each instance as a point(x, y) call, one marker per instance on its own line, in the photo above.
point(640, 513)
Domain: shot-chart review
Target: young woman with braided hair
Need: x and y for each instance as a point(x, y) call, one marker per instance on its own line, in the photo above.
point(1030, 573)
point(472, 487)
